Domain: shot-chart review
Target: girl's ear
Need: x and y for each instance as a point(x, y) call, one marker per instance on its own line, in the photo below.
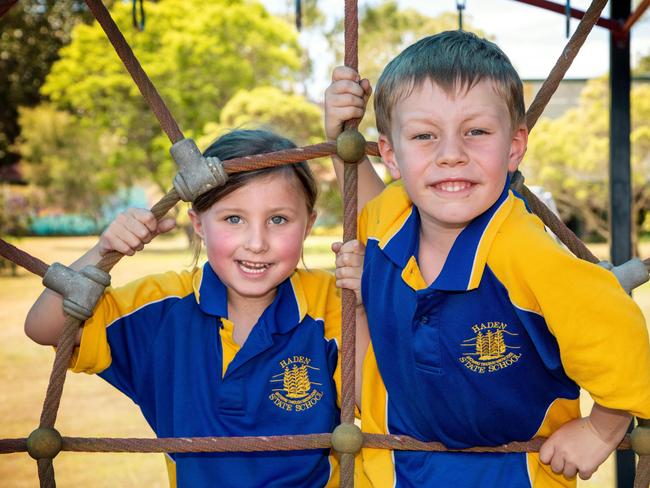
point(388, 156)
point(310, 223)
point(195, 218)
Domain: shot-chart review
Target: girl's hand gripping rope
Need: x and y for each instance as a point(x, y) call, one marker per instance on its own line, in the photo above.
point(131, 230)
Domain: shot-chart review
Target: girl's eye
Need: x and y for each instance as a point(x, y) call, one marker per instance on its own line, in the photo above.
point(277, 219)
point(476, 132)
point(233, 219)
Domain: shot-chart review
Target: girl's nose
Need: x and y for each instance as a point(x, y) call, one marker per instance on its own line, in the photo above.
point(256, 239)
point(451, 151)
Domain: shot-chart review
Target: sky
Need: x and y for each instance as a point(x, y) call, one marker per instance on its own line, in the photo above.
point(532, 38)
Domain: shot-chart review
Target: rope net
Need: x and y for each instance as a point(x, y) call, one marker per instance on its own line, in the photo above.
point(298, 442)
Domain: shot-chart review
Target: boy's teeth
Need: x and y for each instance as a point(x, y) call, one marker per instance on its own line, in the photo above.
point(453, 186)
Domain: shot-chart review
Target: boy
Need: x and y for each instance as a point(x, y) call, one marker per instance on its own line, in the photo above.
point(482, 328)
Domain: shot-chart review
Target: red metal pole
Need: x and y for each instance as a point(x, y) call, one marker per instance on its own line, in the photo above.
point(575, 13)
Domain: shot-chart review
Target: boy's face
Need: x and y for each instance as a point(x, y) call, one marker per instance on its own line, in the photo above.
point(453, 151)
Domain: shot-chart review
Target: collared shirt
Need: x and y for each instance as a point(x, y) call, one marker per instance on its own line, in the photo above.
point(165, 342)
point(493, 350)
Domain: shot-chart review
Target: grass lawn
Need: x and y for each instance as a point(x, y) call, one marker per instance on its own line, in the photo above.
point(89, 406)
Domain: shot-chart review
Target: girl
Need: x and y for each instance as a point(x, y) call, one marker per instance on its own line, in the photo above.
point(246, 345)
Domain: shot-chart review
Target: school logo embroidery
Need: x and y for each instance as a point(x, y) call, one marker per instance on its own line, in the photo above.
point(297, 392)
point(490, 349)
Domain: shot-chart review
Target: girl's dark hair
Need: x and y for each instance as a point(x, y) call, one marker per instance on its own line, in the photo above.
point(240, 143)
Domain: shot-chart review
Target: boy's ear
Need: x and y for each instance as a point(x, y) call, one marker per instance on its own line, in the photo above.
point(388, 156)
point(196, 222)
point(518, 147)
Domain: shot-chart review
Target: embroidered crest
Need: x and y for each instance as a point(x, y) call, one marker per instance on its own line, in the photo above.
point(296, 390)
point(489, 350)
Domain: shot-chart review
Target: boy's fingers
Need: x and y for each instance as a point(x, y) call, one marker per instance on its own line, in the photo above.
point(557, 464)
point(336, 246)
point(546, 452)
point(367, 88)
point(347, 87)
point(570, 470)
point(344, 73)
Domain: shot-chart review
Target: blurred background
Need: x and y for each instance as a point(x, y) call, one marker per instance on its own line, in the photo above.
point(78, 145)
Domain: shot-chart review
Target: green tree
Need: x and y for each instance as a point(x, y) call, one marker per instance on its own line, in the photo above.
point(569, 156)
point(31, 34)
point(73, 163)
point(198, 53)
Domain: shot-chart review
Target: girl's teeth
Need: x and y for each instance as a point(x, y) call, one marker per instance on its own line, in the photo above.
point(253, 267)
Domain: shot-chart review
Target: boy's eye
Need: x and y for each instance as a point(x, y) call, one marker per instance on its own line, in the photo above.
point(476, 132)
point(423, 137)
point(233, 219)
point(277, 219)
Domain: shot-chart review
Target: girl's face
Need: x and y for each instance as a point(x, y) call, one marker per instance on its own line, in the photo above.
point(254, 235)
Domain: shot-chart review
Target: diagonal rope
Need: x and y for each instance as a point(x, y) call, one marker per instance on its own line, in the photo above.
point(564, 62)
point(131, 63)
point(23, 259)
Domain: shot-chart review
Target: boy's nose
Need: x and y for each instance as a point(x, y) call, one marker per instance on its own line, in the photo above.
point(451, 152)
point(256, 240)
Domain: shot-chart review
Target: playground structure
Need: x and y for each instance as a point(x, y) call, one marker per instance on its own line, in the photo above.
point(197, 174)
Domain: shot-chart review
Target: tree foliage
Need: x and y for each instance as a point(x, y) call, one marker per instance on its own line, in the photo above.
point(31, 34)
point(569, 156)
point(198, 53)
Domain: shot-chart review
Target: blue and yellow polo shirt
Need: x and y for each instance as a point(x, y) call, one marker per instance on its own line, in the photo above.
point(493, 351)
point(166, 342)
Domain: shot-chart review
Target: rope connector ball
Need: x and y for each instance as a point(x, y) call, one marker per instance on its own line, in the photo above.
point(640, 438)
point(196, 174)
point(347, 439)
point(351, 146)
point(44, 443)
point(81, 290)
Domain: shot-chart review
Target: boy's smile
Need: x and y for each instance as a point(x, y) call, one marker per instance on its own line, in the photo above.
point(453, 151)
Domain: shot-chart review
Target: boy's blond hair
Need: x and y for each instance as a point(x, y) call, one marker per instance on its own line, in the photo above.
point(452, 60)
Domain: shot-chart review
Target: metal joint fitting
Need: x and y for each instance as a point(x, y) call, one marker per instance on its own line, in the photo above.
point(630, 274)
point(351, 146)
point(347, 439)
point(80, 290)
point(640, 437)
point(196, 174)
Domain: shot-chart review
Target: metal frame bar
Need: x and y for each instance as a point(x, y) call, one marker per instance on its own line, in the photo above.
point(610, 24)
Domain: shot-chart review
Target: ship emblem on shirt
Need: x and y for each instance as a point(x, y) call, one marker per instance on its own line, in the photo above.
point(294, 387)
point(491, 349)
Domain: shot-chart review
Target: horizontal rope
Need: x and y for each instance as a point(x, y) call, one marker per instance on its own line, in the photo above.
point(267, 443)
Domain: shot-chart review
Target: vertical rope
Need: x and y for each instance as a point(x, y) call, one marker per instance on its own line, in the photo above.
point(46, 473)
point(349, 233)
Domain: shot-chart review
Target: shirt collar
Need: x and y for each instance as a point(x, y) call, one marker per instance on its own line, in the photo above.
point(467, 258)
point(287, 310)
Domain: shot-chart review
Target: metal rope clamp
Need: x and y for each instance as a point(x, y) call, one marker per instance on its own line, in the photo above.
point(630, 274)
point(197, 174)
point(81, 290)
